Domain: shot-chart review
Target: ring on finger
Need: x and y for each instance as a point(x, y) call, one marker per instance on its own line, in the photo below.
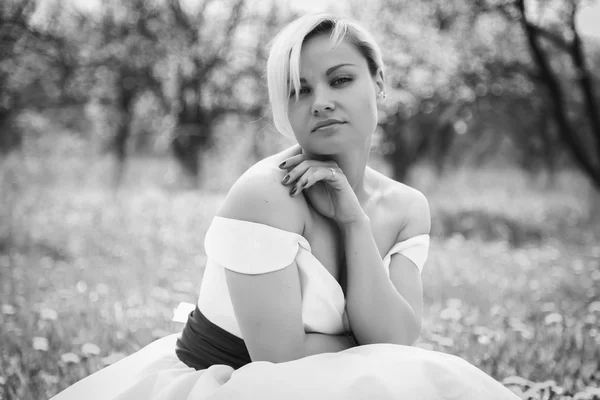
point(332, 173)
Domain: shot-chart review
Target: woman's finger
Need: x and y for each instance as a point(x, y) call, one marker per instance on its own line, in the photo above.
point(314, 175)
point(291, 162)
point(304, 180)
point(300, 169)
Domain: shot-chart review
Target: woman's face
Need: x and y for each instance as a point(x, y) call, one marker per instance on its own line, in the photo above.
point(337, 104)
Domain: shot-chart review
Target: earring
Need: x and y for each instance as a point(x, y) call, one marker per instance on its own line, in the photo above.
point(382, 94)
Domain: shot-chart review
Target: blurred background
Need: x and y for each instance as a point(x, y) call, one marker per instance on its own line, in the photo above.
point(124, 123)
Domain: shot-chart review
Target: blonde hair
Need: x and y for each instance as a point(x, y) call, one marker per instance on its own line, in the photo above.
point(283, 65)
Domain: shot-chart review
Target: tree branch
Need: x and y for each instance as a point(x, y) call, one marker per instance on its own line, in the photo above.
point(557, 40)
point(180, 17)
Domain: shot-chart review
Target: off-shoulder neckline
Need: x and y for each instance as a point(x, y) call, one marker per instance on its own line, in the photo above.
point(305, 241)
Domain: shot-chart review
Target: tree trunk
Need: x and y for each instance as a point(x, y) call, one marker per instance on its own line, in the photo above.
point(10, 139)
point(548, 150)
point(594, 207)
point(121, 139)
point(569, 136)
point(586, 84)
point(189, 141)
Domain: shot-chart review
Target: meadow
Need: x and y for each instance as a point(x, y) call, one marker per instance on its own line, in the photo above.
point(89, 275)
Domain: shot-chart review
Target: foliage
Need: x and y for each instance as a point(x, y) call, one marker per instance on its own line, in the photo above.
point(118, 55)
point(465, 81)
point(464, 85)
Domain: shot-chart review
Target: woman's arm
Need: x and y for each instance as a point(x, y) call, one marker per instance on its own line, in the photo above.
point(268, 311)
point(268, 307)
point(380, 309)
point(317, 343)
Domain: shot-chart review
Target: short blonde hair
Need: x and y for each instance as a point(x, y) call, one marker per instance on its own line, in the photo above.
point(283, 65)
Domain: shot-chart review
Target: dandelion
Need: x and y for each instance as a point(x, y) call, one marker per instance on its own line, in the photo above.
point(452, 314)
point(90, 349)
point(594, 307)
point(81, 286)
point(48, 314)
point(70, 358)
point(554, 318)
point(40, 343)
point(7, 309)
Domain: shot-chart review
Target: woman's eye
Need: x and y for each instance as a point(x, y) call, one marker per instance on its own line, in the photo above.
point(303, 90)
point(341, 80)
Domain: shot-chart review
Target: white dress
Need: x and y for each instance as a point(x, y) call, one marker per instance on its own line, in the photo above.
point(378, 371)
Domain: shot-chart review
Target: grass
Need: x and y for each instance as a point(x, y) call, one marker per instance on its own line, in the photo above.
point(88, 276)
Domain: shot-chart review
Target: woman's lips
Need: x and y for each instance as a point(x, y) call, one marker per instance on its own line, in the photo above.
point(332, 125)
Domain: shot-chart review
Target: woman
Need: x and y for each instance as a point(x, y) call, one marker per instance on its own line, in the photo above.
point(312, 287)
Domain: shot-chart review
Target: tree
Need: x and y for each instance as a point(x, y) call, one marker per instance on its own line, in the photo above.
point(218, 73)
point(427, 91)
point(462, 76)
point(122, 40)
point(584, 144)
point(200, 64)
point(26, 50)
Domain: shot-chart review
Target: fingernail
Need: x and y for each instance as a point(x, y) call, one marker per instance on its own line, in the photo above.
point(282, 164)
point(286, 178)
point(293, 192)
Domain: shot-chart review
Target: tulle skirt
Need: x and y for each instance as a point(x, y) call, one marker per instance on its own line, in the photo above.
point(380, 371)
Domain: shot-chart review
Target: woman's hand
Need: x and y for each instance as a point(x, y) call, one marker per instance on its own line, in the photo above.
point(325, 186)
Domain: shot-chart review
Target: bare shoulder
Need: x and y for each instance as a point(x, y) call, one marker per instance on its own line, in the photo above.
point(407, 206)
point(259, 196)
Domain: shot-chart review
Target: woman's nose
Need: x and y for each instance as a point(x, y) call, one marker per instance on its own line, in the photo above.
point(322, 102)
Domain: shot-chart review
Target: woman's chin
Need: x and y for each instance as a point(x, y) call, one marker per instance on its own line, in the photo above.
point(324, 149)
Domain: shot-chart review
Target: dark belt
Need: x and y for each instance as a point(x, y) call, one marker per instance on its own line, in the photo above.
point(203, 344)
